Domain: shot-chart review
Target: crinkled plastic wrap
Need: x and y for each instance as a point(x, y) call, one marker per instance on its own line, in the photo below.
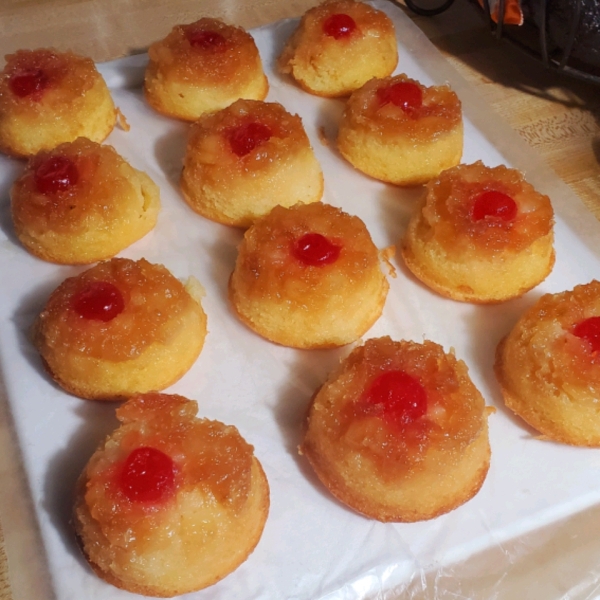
point(532, 530)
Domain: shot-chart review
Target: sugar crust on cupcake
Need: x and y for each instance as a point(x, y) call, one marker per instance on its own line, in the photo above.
point(308, 276)
point(481, 234)
point(120, 328)
point(247, 158)
point(82, 202)
point(338, 46)
point(202, 67)
point(400, 131)
point(169, 503)
point(49, 97)
point(548, 366)
point(398, 432)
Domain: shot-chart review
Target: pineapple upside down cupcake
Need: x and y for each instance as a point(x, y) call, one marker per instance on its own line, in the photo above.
point(338, 46)
point(81, 203)
point(203, 67)
point(399, 432)
point(548, 366)
point(481, 235)
point(49, 97)
point(399, 131)
point(247, 158)
point(169, 503)
point(308, 276)
point(120, 328)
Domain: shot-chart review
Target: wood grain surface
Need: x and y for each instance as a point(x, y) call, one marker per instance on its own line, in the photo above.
point(5, 593)
point(556, 115)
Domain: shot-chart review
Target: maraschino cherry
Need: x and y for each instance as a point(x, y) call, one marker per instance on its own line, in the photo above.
point(206, 40)
point(400, 396)
point(28, 82)
point(245, 138)
point(494, 205)
point(148, 475)
point(339, 26)
point(315, 249)
point(589, 330)
point(404, 94)
point(99, 301)
point(55, 174)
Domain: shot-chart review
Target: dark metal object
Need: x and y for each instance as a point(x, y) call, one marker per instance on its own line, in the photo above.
point(428, 12)
point(537, 44)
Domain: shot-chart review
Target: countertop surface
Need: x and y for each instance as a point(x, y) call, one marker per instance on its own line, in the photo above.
point(557, 116)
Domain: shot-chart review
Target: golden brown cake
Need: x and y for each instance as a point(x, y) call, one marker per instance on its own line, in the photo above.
point(399, 432)
point(120, 328)
point(247, 158)
point(203, 67)
point(308, 277)
point(81, 203)
point(169, 503)
point(548, 366)
point(400, 131)
point(338, 47)
point(49, 97)
point(481, 234)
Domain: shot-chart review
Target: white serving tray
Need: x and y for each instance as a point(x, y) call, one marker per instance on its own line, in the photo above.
point(312, 546)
